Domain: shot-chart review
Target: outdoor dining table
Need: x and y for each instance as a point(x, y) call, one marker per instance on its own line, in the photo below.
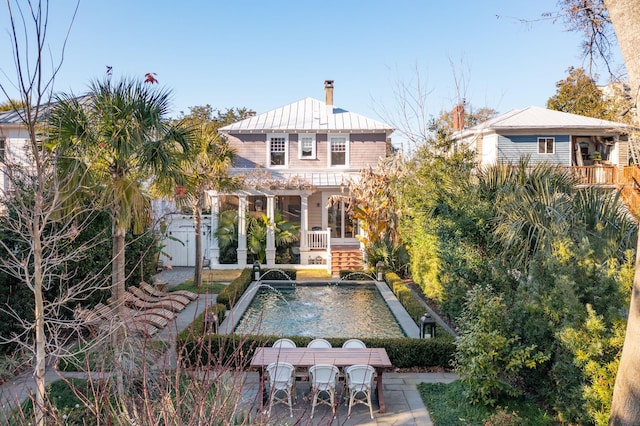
point(340, 357)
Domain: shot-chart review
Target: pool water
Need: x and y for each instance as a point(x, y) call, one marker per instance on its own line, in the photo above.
point(320, 311)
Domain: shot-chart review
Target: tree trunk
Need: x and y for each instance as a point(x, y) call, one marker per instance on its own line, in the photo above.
point(625, 15)
point(197, 224)
point(625, 406)
point(117, 299)
point(40, 349)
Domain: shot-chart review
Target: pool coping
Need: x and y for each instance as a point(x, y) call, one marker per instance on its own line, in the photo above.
point(401, 315)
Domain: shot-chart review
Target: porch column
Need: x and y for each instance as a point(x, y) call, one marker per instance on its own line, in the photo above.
point(214, 248)
point(242, 231)
point(304, 222)
point(271, 238)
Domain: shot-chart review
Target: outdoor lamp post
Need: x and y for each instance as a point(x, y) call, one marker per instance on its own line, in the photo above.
point(256, 270)
point(380, 270)
point(427, 327)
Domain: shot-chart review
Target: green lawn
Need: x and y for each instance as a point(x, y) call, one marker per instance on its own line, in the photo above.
point(209, 287)
point(447, 407)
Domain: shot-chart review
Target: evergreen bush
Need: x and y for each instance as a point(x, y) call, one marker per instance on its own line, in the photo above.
point(230, 295)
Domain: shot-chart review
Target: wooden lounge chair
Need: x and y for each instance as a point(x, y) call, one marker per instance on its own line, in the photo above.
point(146, 315)
point(132, 300)
point(135, 315)
point(157, 293)
point(101, 317)
point(178, 298)
point(147, 298)
point(167, 314)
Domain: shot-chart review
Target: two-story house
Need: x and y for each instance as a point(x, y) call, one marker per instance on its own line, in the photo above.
point(298, 156)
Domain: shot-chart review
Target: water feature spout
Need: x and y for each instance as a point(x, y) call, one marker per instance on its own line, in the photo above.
point(281, 272)
point(347, 277)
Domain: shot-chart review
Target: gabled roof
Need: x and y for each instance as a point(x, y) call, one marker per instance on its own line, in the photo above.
point(307, 115)
point(541, 118)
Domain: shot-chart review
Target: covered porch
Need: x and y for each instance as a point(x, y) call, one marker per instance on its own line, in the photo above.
point(320, 230)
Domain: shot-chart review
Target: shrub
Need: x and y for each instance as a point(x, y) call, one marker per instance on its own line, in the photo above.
point(394, 256)
point(406, 297)
point(277, 274)
point(235, 289)
point(404, 352)
point(348, 275)
point(196, 328)
point(489, 359)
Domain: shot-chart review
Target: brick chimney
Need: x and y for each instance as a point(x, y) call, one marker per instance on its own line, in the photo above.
point(458, 117)
point(328, 92)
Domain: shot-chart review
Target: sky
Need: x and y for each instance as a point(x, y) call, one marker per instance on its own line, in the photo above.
point(265, 54)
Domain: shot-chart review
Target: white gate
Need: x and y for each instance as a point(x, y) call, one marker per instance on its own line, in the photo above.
point(180, 241)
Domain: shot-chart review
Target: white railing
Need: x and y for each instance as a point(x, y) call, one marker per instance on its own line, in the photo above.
point(318, 240)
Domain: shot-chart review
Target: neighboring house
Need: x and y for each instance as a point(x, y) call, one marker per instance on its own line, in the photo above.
point(294, 159)
point(596, 150)
point(14, 139)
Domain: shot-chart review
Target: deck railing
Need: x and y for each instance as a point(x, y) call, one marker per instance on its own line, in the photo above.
point(595, 175)
point(318, 240)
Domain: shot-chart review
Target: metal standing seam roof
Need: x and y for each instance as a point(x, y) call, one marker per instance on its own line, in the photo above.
point(541, 118)
point(10, 117)
point(307, 115)
point(320, 178)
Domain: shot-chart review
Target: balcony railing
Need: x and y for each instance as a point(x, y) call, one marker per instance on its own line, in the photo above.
point(595, 175)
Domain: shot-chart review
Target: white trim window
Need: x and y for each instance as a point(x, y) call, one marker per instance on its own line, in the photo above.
point(307, 146)
point(546, 145)
point(339, 150)
point(3, 147)
point(278, 149)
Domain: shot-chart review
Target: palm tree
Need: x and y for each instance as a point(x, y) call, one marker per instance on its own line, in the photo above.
point(227, 235)
point(120, 134)
point(285, 233)
point(204, 168)
point(534, 205)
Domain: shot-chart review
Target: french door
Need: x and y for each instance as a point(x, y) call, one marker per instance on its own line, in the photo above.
point(343, 228)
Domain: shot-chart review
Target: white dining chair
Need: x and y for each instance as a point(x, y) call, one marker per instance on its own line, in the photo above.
point(284, 343)
point(323, 378)
point(281, 381)
point(319, 344)
point(360, 385)
point(354, 344)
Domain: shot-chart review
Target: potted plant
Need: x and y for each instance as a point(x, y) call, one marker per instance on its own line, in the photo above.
point(596, 157)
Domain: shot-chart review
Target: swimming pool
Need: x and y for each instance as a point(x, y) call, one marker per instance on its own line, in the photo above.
point(322, 310)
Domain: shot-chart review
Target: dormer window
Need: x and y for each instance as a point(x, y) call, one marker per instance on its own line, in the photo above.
point(307, 146)
point(278, 149)
point(339, 150)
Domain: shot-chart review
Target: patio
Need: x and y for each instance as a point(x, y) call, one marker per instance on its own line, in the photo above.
point(403, 403)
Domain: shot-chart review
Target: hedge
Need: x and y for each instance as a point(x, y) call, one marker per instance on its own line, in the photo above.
point(196, 328)
point(231, 293)
point(406, 297)
point(276, 274)
point(231, 349)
